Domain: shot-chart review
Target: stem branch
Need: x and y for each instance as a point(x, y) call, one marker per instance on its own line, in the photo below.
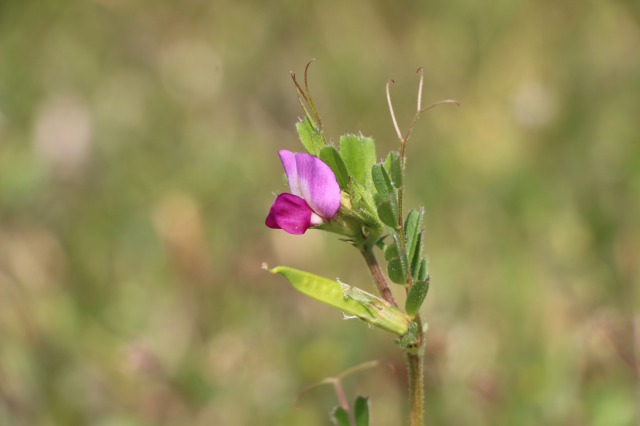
point(376, 273)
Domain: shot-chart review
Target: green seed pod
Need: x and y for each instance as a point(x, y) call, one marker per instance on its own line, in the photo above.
point(351, 300)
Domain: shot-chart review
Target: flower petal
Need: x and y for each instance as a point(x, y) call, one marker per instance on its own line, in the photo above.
point(288, 159)
point(291, 213)
point(312, 180)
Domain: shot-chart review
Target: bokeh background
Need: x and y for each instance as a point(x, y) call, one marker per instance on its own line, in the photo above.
point(138, 159)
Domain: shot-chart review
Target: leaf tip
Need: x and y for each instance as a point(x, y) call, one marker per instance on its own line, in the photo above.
point(274, 270)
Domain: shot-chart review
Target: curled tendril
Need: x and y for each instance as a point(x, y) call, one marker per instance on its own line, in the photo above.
point(419, 109)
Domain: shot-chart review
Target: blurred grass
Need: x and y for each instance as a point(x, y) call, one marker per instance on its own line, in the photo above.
point(138, 160)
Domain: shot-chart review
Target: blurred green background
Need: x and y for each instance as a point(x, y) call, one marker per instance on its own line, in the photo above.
point(138, 159)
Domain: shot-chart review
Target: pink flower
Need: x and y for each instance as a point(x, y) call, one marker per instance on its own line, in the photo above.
point(314, 198)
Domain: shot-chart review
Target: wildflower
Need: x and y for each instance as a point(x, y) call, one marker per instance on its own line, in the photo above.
point(314, 198)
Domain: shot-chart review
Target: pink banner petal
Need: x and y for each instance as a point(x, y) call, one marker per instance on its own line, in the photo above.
point(312, 180)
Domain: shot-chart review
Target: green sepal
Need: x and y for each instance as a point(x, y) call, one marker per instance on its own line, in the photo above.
point(351, 300)
point(359, 155)
point(416, 296)
point(393, 168)
point(310, 137)
point(346, 223)
point(330, 156)
point(362, 205)
point(340, 417)
point(361, 411)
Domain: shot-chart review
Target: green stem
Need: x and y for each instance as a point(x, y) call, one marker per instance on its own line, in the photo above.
point(415, 372)
point(415, 369)
point(415, 358)
point(415, 355)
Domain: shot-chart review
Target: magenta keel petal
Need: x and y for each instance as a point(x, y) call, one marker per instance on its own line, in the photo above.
point(271, 220)
point(291, 213)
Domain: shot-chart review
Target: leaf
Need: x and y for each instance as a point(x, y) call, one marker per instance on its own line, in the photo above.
point(388, 214)
point(351, 300)
point(423, 273)
point(397, 261)
point(416, 261)
point(359, 155)
point(386, 197)
point(392, 165)
point(395, 271)
point(391, 252)
point(310, 137)
point(330, 156)
point(361, 411)
point(412, 226)
point(361, 408)
point(416, 296)
point(340, 417)
point(381, 181)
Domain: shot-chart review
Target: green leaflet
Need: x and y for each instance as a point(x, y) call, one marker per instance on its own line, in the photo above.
point(392, 166)
point(397, 258)
point(413, 239)
point(310, 137)
point(416, 261)
point(351, 300)
point(386, 197)
point(361, 411)
point(381, 181)
point(359, 155)
point(423, 272)
point(388, 212)
point(339, 417)
point(412, 227)
point(416, 296)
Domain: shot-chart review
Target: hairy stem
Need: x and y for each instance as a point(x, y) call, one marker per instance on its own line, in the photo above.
point(415, 369)
point(376, 273)
point(415, 354)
